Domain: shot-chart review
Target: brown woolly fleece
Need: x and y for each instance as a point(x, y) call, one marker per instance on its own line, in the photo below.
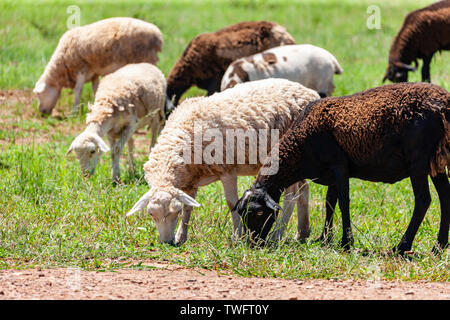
point(207, 56)
point(364, 123)
point(424, 32)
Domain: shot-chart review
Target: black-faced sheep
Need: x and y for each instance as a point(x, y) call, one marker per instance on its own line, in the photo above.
point(87, 52)
point(306, 64)
point(197, 147)
point(130, 98)
point(383, 134)
point(207, 56)
point(424, 32)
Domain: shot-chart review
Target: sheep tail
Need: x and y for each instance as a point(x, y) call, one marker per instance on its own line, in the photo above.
point(442, 157)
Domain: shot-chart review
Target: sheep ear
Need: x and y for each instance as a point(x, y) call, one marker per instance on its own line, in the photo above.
point(409, 68)
point(404, 66)
point(40, 87)
point(70, 149)
point(140, 205)
point(271, 204)
point(241, 204)
point(101, 144)
point(186, 199)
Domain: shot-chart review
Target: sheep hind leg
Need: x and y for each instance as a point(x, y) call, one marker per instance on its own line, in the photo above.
point(422, 202)
point(290, 195)
point(303, 229)
point(342, 186)
point(442, 186)
point(181, 235)
point(330, 204)
point(95, 82)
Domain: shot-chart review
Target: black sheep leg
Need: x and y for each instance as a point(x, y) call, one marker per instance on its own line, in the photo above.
point(422, 202)
point(443, 189)
point(330, 204)
point(342, 186)
point(426, 69)
point(213, 86)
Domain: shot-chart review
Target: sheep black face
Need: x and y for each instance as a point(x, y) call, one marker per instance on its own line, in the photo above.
point(258, 212)
point(398, 72)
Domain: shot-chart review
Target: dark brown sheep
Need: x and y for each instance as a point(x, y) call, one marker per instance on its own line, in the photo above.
point(383, 134)
point(208, 55)
point(424, 32)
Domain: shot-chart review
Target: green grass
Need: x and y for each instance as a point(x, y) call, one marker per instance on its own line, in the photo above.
point(50, 215)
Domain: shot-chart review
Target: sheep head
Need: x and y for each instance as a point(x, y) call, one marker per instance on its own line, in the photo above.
point(47, 95)
point(164, 206)
point(88, 148)
point(258, 212)
point(398, 72)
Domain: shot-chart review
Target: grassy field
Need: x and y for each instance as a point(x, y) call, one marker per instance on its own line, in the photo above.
point(50, 215)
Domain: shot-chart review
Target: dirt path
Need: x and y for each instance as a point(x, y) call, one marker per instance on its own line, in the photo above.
point(169, 282)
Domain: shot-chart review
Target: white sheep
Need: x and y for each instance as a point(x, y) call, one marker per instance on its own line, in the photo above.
point(126, 100)
point(306, 64)
point(87, 52)
point(184, 158)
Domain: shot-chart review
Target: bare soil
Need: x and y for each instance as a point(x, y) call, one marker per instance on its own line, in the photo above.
point(170, 282)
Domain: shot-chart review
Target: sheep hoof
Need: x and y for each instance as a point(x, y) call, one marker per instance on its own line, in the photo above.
point(325, 239)
point(302, 236)
point(180, 239)
point(346, 243)
point(439, 248)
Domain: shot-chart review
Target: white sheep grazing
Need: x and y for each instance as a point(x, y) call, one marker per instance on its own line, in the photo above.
point(306, 64)
point(87, 52)
point(126, 100)
point(174, 170)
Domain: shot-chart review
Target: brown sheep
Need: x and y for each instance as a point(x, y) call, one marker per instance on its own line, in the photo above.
point(208, 55)
point(424, 32)
point(384, 134)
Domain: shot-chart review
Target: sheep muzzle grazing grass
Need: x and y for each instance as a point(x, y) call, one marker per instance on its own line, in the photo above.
point(164, 207)
point(88, 149)
point(48, 97)
point(259, 214)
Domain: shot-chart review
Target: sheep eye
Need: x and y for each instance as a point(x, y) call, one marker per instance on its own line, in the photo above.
point(92, 151)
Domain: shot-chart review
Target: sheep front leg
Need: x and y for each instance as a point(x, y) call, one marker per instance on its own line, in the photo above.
point(288, 207)
point(115, 159)
point(81, 78)
point(181, 235)
point(229, 182)
point(426, 69)
point(116, 150)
